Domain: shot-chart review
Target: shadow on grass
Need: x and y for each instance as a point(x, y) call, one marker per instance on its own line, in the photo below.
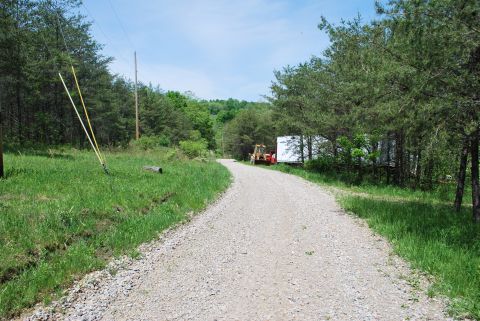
point(12, 172)
point(45, 153)
point(39, 150)
point(435, 239)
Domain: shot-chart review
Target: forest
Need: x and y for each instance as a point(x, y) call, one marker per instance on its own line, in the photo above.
point(396, 98)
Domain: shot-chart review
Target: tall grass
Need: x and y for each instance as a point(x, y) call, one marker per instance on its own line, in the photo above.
point(62, 217)
point(424, 229)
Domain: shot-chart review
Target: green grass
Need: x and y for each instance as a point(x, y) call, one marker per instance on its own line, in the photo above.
point(62, 217)
point(442, 194)
point(424, 229)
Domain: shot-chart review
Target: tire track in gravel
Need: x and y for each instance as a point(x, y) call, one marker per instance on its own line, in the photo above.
point(274, 247)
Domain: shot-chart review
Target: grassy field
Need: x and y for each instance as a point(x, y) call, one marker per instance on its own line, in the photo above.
point(62, 217)
point(424, 229)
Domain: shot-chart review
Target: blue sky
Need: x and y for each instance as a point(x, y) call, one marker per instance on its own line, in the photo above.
point(216, 49)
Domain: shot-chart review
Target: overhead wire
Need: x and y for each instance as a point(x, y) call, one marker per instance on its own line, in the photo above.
point(121, 25)
point(110, 41)
point(61, 33)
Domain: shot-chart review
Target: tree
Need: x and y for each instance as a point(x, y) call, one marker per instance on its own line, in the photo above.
point(408, 81)
point(248, 128)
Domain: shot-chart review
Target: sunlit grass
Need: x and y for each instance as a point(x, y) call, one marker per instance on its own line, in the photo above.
point(62, 217)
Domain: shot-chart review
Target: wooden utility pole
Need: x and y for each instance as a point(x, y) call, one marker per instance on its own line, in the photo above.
point(137, 127)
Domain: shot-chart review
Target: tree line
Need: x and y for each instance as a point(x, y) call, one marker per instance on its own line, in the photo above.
point(397, 97)
point(39, 39)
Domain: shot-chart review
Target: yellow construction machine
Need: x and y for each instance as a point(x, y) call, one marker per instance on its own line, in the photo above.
point(260, 156)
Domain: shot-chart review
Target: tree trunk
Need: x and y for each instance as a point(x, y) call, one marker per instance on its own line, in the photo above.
point(388, 160)
point(475, 183)
point(374, 161)
point(428, 174)
point(359, 170)
point(399, 168)
point(334, 148)
point(461, 175)
point(1, 152)
point(418, 169)
point(406, 168)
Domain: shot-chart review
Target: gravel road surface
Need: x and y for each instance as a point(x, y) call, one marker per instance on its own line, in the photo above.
point(274, 247)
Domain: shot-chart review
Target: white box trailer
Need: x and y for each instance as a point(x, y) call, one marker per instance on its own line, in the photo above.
point(289, 148)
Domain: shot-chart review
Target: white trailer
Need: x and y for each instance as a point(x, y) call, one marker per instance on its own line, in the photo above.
point(288, 149)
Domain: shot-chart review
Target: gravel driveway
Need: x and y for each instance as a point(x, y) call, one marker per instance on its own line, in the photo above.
point(274, 247)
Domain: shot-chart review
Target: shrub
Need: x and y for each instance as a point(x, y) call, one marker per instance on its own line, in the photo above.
point(164, 141)
point(151, 142)
point(324, 163)
point(194, 148)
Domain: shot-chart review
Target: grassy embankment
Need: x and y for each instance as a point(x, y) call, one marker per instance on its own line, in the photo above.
point(61, 217)
point(424, 229)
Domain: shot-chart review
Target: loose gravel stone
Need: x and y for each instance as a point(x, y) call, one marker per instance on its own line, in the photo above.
point(274, 247)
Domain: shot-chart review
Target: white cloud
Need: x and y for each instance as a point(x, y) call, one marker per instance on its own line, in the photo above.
point(228, 29)
point(218, 49)
point(170, 77)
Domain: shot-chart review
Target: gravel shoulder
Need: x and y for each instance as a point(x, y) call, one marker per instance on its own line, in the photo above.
point(274, 247)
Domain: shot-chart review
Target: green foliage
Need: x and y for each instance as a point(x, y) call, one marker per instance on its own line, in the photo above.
point(250, 127)
point(346, 148)
point(396, 98)
point(373, 156)
point(324, 164)
point(357, 153)
point(160, 117)
point(35, 108)
point(151, 142)
point(62, 217)
point(198, 114)
point(360, 141)
point(224, 112)
point(194, 148)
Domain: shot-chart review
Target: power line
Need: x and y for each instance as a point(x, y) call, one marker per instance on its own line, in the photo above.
point(55, 10)
point(105, 34)
point(61, 32)
point(121, 24)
